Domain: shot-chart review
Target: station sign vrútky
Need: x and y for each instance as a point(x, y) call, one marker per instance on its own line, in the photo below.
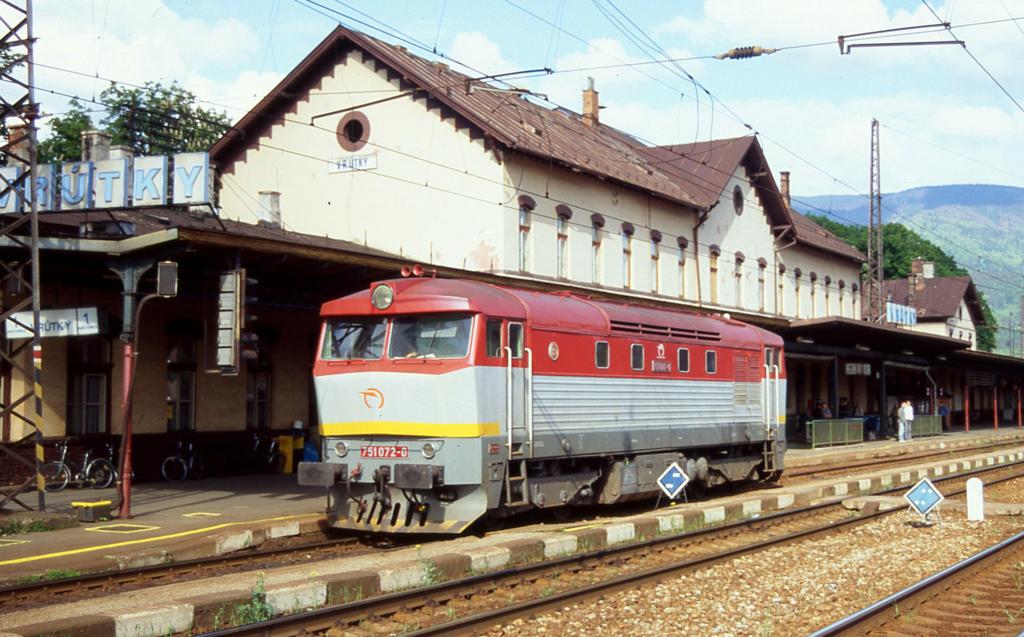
point(184, 178)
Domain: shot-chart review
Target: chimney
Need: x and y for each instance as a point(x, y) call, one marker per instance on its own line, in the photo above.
point(915, 282)
point(270, 205)
point(121, 151)
point(784, 186)
point(590, 104)
point(18, 152)
point(95, 145)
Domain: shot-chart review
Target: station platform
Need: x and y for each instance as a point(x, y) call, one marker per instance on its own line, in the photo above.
point(187, 520)
point(202, 518)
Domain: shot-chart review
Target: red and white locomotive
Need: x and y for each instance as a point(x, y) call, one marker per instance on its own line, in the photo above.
point(443, 400)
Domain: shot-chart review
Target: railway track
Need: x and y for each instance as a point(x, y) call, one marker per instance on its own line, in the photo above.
point(982, 595)
point(35, 594)
point(475, 604)
point(830, 469)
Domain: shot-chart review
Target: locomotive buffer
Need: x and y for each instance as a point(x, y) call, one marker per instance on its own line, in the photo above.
point(672, 480)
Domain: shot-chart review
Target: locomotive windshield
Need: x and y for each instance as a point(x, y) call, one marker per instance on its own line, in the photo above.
point(354, 338)
point(445, 336)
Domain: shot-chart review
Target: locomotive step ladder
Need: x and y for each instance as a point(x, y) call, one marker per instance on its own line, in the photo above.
point(520, 435)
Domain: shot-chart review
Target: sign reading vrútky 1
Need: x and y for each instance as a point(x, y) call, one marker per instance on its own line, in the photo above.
point(76, 321)
point(185, 178)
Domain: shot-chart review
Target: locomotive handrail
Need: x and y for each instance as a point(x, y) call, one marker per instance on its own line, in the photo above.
point(778, 402)
point(765, 387)
point(528, 386)
point(508, 398)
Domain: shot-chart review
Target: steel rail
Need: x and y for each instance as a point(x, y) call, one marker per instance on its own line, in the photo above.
point(850, 623)
point(812, 470)
point(109, 578)
point(324, 618)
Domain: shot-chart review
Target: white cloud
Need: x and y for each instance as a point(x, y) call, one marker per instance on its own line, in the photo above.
point(481, 53)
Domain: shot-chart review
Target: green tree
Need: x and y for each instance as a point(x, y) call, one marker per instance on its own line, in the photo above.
point(65, 140)
point(900, 246)
point(160, 120)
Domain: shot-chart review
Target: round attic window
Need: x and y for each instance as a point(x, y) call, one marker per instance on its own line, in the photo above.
point(737, 199)
point(353, 131)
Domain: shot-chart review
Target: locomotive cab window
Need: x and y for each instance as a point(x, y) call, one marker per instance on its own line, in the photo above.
point(437, 336)
point(515, 339)
point(494, 338)
point(601, 355)
point(636, 355)
point(711, 361)
point(353, 339)
point(683, 360)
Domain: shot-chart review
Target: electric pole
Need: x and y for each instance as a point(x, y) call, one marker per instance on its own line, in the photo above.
point(875, 306)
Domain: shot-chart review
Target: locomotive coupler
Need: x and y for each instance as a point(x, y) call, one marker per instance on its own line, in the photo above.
point(381, 477)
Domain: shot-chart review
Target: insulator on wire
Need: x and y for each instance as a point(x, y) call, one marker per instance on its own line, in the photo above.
point(743, 52)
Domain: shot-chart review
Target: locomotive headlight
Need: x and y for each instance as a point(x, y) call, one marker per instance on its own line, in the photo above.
point(382, 297)
point(429, 450)
point(341, 449)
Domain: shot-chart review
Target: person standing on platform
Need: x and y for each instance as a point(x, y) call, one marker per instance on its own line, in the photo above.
point(910, 420)
point(901, 421)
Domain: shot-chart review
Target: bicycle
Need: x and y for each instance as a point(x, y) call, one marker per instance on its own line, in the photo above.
point(98, 472)
point(184, 463)
point(265, 454)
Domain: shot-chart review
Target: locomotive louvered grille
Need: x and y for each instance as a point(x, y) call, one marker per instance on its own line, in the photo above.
point(745, 388)
point(646, 329)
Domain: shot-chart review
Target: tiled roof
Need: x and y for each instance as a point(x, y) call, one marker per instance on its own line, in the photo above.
point(939, 297)
point(811, 234)
point(509, 119)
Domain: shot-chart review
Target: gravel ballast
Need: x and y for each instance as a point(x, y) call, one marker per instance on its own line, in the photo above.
point(789, 590)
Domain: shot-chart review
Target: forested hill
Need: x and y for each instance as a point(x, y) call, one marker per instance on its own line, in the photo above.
point(981, 226)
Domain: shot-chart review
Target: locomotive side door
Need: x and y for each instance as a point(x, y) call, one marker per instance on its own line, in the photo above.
point(517, 410)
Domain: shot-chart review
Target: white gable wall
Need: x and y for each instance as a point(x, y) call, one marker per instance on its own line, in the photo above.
point(436, 195)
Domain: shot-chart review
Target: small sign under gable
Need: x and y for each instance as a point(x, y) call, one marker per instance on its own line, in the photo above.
point(352, 163)
point(924, 497)
point(672, 480)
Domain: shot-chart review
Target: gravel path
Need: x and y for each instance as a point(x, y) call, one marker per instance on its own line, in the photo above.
point(790, 590)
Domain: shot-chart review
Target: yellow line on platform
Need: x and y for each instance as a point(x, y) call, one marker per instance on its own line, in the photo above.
point(169, 536)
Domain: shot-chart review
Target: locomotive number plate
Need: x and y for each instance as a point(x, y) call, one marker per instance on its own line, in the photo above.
point(384, 452)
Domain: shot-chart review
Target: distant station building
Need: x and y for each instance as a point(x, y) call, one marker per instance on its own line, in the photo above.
point(945, 306)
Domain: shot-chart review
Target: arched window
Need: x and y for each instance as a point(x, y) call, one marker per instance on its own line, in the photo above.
point(562, 216)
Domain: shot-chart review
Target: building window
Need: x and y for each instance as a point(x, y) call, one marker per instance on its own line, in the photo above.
point(655, 260)
point(713, 253)
point(682, 243)
point(563, 214)
point(524, 238)
point(627, 254)
point(737, 275)
point(842, 288)
point(683, 360)
point(601, 357)
point(258, 384)
point(181, 383)
point(711, 361)
point(796, 289)
point(780, 300)
point(88, 385)
point(762, 288)
point(636, 357)
point(597, 223)
point(814, 295)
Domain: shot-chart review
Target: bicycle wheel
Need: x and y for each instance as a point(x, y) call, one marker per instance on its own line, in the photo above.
point(56, 476)
point(100, 473)
point(174, 469)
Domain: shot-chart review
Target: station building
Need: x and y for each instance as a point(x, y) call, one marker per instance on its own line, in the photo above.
point(367, 158)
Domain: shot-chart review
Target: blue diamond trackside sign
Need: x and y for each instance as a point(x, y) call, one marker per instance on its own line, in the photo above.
point(924, 497)
point(672, 480)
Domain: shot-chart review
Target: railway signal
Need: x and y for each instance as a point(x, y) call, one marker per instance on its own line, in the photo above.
point(672, 480)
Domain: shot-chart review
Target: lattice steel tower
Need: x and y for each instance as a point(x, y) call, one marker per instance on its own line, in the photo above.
point(22, 399)
point(874, 309)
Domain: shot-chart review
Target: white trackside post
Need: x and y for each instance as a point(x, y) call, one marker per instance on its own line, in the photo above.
point(975, 500)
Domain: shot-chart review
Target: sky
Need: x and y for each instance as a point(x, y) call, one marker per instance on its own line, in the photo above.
point(943, 119)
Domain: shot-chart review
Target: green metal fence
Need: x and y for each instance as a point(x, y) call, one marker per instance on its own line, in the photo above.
point(838, 431)
point(926, 426)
